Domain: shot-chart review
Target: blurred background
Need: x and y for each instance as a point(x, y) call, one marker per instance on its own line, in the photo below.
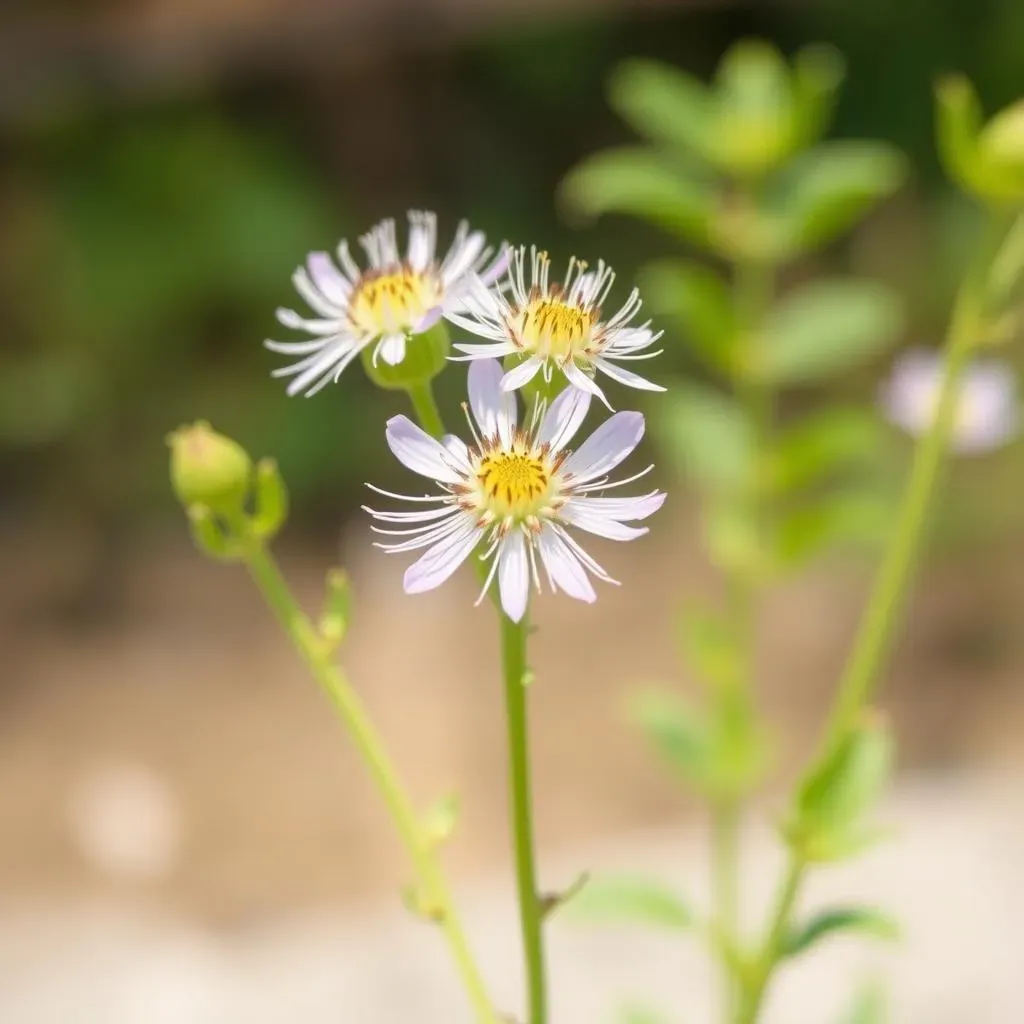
point(174, 794)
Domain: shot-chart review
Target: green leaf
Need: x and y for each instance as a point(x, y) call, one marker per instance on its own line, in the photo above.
point(847, 517)
point(826, 190)
point(831, 805)
point(822, 443)
point(707, 435)
point(678, 731)
point(869, 1006)
point(818, 71)
point(640, 183)
point(863, 920)
point(629, 899)
point(663, 103)
point(698, 299)
point(710, 647)
point(827, 327)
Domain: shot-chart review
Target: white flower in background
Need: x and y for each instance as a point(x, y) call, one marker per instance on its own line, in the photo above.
point(383, 304)
point(556, 326)
point(515, 491)
point(987, 412)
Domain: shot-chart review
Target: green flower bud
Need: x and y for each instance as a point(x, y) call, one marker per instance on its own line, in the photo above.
point(426, 355)
point(209, 469)
point(985, 160)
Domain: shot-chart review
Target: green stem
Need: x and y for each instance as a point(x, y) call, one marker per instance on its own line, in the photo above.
point(427, 412)
point(332, 681)
point(757, 983)
point(513, 655)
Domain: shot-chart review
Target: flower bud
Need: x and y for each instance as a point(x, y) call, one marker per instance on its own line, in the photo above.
point(209, 469)
point(425, 357)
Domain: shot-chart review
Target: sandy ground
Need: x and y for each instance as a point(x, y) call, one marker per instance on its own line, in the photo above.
point(185, 720)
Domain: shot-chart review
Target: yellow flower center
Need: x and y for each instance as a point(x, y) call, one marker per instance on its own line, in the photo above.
point(551, 327)
point(388, 301)
point(514, 484)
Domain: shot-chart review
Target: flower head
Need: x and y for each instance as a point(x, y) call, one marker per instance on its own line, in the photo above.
point(515, 492)
point(393, 297)
point(987, 413)
point(556, 325)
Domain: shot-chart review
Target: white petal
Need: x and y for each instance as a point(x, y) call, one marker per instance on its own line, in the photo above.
point(317, 301)
point(578, 379)
point(521, 374)
point(563, 567)
point(514, 575)
point(289, 318)
point(297, 348)
point(327, 278)
point(606, 447)
point(493, 409)
point(459, 451)
point(392, 349)
point(563, 418)
point(578, 514)
point(623, 509)
point(493, 350)
point(440, 561)
point(321, 366)
point(461, 258)
point(632, 380)
point(418, 451)
point(498, 267)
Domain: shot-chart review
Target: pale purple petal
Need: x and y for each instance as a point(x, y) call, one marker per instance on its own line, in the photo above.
point(606, 447)
point(327, 278)
point(624, 509)
point(632, 380)
point(425, 322)
point(563, 418)
point(440, 561)
point(461, 258)
point(493, 409)
point(498, 267)
point(578, 379)
point(562, 566)
point(521, 374)
point(418, 451)
point(513, 575)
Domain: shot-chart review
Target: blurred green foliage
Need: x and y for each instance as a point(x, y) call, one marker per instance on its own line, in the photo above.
point(147, 242)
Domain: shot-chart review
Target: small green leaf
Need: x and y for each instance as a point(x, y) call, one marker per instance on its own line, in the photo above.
point(333, 621)
point(270, 500)
point(824, 191)
point(863, 920)
point(643, 184)
point(698, 299)
point(679, 733)
point(210, 535)
point(818, 71)
point(633, 900)
point(439, 820)
point(707, 435)
point(663, 103)
point(869, 1006)
point(822, 443)
point(846, 517)
point(710, 647)
point(827, 327)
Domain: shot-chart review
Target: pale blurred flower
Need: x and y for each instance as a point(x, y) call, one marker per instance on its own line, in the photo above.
point(381, 305)
point(126, 821)
point(556, 326)
point(515, 491)
point(987, 412)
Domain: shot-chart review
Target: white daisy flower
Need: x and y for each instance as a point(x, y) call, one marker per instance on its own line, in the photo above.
point(514, 492)
point(556, 325)
point(383, 304)
point(987, 413)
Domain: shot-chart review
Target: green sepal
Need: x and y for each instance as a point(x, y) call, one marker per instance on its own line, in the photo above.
point(210, 535)
point(270, 500)
point(426, 355)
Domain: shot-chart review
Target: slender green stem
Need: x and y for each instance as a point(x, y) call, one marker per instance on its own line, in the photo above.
point(427, 412)
point(315, 653)
point(513, 655)
point(761, 973)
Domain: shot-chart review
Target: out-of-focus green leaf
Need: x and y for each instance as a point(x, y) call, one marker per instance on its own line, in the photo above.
point(817, 73)
point(678, 731)
point(829, 817)
point(709, 646)
point(641, 1015)
point(869, 1006)
point(863, 920)
point(824, 442)
point(630, 900)
point(706, 434)
point(847, 517)
point(733, 540)
point(663, 103)
point(827, 327)
point(824, 191)
point(1006, 275)
point(698, 299)
point(640, 183)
